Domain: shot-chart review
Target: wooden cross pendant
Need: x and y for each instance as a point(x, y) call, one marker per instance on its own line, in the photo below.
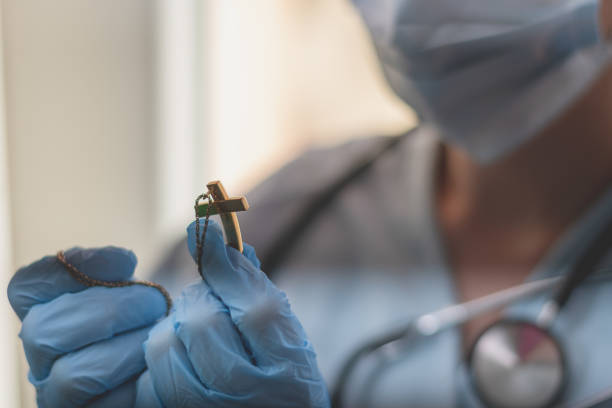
point(226, 208)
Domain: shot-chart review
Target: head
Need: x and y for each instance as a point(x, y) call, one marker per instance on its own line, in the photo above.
point(493, 75)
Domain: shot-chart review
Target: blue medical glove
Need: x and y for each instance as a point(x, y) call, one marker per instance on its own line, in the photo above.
point(84, 345)
point(231, 341)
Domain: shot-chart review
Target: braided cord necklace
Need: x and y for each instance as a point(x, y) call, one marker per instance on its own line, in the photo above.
point(91, 282)
point(200, 239)
point(88, 281)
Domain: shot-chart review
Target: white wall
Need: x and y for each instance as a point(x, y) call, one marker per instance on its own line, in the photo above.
point(10, 373)
point(9, 347)
point(79, 103)
point(79, 92)
point(284, 74)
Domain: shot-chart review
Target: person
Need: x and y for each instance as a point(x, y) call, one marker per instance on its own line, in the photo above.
point(507, 179)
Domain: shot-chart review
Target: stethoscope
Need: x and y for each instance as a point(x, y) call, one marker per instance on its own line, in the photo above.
point(513, 363)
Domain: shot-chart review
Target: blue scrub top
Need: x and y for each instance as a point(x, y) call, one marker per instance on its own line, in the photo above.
point(374, 259)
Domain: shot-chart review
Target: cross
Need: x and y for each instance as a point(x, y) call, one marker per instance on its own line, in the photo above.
point(226, 208)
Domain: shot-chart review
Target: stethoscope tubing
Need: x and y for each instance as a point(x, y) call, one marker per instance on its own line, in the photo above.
point(395, 340)
point(435, 322)
point(455, 315)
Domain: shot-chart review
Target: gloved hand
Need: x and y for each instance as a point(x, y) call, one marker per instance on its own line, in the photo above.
point(231, 341)
point(84, 345)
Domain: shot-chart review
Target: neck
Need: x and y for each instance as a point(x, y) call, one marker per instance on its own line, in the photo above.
point(518, 206)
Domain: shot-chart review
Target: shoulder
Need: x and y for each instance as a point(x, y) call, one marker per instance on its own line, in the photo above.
point(308, 172)
point(276, 201)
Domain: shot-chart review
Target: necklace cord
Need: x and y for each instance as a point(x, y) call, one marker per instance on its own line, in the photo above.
point(91, 282)
point(200, 239)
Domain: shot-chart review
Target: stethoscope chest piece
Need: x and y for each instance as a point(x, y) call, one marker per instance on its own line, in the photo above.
point(517, 364)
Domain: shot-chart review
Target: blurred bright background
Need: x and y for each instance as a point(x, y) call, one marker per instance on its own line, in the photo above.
point(116, 113)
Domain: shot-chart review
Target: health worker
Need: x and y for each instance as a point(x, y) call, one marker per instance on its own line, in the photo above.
point(390, 257)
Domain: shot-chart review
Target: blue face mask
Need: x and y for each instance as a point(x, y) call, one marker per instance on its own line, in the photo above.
point(489, 74)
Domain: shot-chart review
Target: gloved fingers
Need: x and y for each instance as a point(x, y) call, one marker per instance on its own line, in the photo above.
point(249, 252)
point(47, 278)
point(121, 397)
point(79, 377)
point(146, 396)
point(172, 378)
point(259, 309)
point(231, 275)
point(214, 346)
point(74, 320)
point(202, 336)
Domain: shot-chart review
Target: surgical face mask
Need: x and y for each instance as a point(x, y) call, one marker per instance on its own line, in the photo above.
point(489, 74)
